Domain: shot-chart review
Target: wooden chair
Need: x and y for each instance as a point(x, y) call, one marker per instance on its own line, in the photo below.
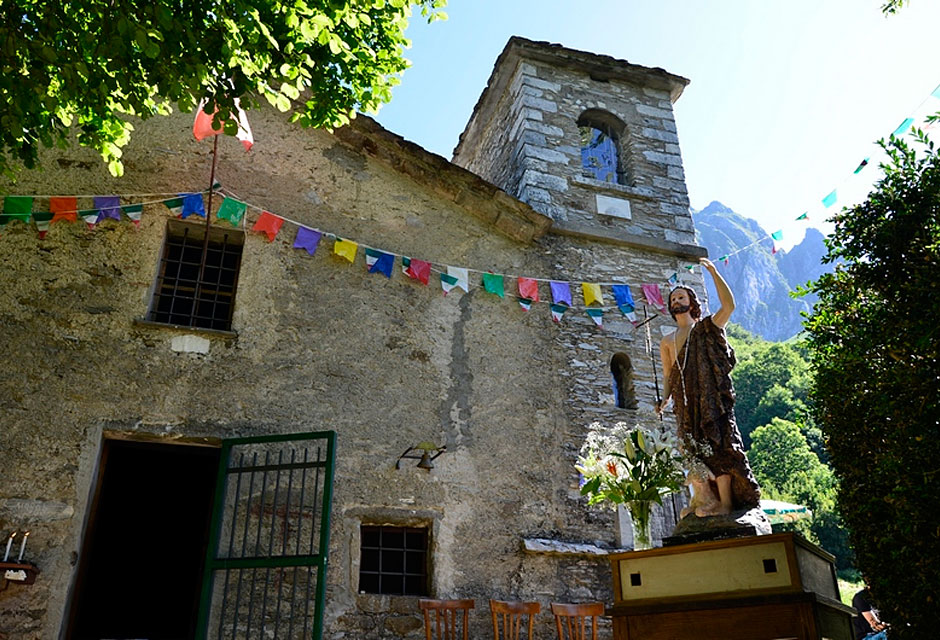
point(573, 617)
point(446, 613)
point(510, 613)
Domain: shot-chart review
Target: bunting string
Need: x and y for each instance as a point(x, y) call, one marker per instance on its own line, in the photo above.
point(918, 114)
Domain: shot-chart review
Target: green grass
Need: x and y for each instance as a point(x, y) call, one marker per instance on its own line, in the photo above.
point(848, 589)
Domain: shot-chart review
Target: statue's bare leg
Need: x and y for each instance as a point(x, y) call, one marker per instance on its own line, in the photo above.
point(725, 502)
point(703, 500)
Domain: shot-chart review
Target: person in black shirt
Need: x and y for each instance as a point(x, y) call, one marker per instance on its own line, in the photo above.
point(867, 624)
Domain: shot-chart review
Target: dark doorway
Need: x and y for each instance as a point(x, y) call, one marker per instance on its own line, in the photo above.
point(140, 571)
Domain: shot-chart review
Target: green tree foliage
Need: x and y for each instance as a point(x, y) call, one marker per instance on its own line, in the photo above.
point(893, 6)
point(771, 380)
point(875, 343)
point(788, 470)
point(88, 64)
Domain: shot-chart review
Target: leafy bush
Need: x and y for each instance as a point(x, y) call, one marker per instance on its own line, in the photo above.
point(874, 341)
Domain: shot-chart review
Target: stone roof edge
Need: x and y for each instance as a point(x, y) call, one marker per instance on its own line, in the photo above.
point(467, 190)
point(597, 64)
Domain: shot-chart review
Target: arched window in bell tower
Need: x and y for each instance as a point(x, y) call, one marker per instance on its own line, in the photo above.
point(601, 148)
point(621, 370)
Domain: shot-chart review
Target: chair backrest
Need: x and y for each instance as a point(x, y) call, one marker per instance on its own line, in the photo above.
point(573, 618)
point(510, 614)
point(445, 617)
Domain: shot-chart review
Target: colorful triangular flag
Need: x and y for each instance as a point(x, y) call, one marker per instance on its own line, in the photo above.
point(462, 275)
point(528, 289)
point(725, 258)
point(192, 205)
point(561, 293)
point(133, 212)
point(415, 269)
point(64, 208)
point(861, 165)
point(673, 280)
point(16, 208)
point(592, 293)
point(175, 205)
point(268, 224)
point(558, 311)
point(777, 235)
point(345, 249)
point(830, 200)
point(448, 282)
point(90, 216)
point(108, 207)
point(803, 216)
point(232, 210)
point(525, 303)
point(379, 262)
point(307, 239)
point(597, 315)
point(904, 126)
point(42, 219)
point(493, 283)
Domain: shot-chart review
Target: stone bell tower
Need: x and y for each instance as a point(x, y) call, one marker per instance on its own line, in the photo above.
point(591, 142)
point(585, 139)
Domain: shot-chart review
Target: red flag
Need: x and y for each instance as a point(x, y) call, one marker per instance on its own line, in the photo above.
point(529, 289)
point(419, 270)
point(268, 224)
point(202, 126)
point(63, 209)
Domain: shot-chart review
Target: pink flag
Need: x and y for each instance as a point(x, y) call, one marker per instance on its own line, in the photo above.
point(654, 296)
point(202, 126)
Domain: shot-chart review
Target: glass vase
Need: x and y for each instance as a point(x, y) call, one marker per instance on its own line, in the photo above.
point(640, 516)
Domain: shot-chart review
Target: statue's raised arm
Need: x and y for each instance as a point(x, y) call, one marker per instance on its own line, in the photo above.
point(725, 297)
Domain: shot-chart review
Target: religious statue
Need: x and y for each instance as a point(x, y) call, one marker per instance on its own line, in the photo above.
point(697, 363)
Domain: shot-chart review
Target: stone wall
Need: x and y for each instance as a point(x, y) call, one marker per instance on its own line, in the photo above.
point(319, 344)
point(524, 138)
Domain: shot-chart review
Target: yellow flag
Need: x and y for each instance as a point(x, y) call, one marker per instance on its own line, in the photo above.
point(592, 293)
point(346, 249)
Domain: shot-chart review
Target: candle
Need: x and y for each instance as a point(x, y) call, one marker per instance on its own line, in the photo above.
point(23, 546)
point(6, 556)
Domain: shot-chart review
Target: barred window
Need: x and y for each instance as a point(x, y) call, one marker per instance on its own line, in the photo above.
point(394, 560)
point(196, 280)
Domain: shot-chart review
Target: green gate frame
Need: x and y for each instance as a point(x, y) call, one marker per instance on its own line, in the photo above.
point(213, 563)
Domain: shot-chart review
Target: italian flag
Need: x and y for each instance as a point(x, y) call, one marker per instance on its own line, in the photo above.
point(597, 315)
point(558, 311)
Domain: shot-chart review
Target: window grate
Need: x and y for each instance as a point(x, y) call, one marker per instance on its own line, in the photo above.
point(394, 560)
point(196, 281)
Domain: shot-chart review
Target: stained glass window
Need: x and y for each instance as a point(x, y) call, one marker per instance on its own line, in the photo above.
point(599, 157)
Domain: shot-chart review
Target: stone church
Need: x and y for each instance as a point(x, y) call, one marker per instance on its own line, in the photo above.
point(209, 432)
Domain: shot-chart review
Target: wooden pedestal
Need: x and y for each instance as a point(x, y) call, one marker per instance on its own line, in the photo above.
point(755, 588)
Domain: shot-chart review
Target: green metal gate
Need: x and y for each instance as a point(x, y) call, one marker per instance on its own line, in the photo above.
point(266, 562)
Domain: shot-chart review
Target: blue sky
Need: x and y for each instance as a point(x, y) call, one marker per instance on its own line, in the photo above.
point(786, 97)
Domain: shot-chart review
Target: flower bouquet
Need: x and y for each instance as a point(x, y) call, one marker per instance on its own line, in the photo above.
point(632, 467)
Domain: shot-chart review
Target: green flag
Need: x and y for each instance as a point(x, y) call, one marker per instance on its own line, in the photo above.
point(231, 210)
point(16, 208)
point(777, 235)
point(493, 283)
point(804, 216)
